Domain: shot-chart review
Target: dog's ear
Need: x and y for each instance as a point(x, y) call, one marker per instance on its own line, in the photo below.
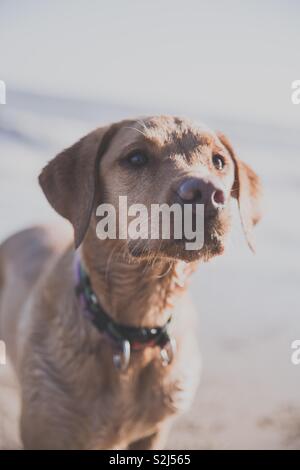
point(247, 190)
point(69, 180)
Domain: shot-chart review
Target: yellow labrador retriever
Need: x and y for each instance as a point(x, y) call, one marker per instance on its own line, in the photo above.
point(102, 337)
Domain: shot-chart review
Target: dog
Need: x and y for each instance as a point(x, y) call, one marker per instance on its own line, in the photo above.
point(103, 337)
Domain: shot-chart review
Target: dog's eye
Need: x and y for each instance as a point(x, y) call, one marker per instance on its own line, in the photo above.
point(219, 162)
point(137, 160)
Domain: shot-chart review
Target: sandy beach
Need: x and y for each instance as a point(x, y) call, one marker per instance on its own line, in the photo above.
point(248, 305)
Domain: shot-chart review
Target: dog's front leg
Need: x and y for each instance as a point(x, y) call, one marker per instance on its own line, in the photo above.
point(155, 441)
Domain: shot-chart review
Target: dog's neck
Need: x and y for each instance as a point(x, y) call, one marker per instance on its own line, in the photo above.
point(134, 293)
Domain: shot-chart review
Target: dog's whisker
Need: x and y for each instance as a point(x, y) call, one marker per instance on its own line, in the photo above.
point(135, 129)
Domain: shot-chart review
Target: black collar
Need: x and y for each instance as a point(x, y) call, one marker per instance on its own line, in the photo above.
point(125, 338)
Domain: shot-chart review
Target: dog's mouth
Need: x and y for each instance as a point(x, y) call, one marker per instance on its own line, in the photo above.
point(205, 247)
point(213, 243)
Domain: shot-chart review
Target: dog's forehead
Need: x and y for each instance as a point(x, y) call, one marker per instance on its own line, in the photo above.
point(167, 131)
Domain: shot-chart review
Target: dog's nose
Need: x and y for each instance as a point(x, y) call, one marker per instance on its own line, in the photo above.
point(200, 191)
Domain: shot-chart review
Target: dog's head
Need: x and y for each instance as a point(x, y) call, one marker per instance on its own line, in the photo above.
point(154, 161)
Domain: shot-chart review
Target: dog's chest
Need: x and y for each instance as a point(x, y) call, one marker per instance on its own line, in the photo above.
point(137, 406)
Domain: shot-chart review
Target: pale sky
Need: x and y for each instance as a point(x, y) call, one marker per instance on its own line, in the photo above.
point(228, 57)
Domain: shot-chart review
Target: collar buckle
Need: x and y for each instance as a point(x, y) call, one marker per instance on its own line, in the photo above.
point(168, 351)
point(121, 358)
